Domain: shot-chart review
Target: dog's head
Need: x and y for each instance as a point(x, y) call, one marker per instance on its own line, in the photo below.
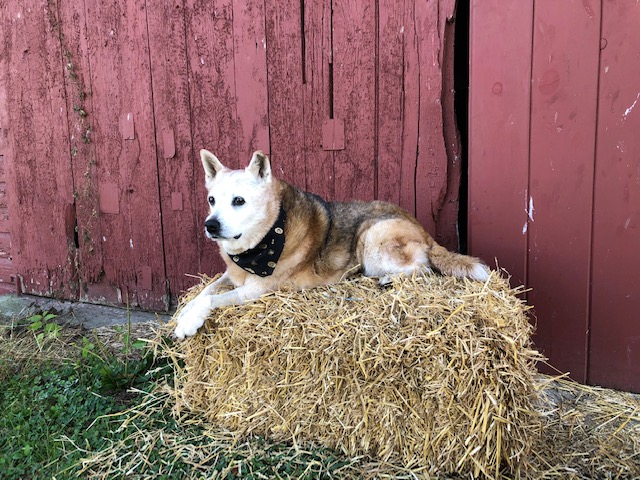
point(241, 202)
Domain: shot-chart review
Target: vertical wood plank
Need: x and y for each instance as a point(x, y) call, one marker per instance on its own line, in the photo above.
point(319, 164)
point(499, 96)
point(209, 27)
point(391, 40)
point(354, 50)
point(8, 282)
point(563, 118)
point(431, 162)
point(40, 179)
point(410, 109)
point(78, 88)
point(177, 160)
point(212, 79)
point(615, 329)
point(7, 269)
point(284, 25)
point(250, 51)
point(121, 96)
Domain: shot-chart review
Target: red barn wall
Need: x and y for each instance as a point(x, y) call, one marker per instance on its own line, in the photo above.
point(554, 177)
point(106, 105)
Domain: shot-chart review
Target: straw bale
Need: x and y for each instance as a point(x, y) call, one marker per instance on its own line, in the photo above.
point(431, 372)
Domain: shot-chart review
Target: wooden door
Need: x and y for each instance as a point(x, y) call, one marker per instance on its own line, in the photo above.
point(554, 169)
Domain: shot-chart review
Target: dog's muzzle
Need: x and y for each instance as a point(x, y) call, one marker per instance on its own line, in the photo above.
point(213, 229)
point(212, 226)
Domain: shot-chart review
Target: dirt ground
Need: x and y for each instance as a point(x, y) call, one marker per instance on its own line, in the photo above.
point(89, 316)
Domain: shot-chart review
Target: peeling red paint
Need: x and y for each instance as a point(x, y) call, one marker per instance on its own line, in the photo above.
point(140, 87)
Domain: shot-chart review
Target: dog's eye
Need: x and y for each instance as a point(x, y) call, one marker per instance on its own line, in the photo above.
point(212, 201)
point(237, 201)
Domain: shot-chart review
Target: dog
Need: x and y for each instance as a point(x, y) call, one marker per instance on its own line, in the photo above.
point(271, 234)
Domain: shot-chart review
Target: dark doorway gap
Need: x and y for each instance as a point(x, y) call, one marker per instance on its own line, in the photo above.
point(461, 106)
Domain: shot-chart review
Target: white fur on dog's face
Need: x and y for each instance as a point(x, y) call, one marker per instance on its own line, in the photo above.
point(238, 200)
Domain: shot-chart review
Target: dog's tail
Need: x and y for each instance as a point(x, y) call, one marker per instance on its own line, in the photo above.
point(456, 264)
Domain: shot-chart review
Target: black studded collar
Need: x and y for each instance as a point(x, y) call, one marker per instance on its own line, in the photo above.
point(263, 258)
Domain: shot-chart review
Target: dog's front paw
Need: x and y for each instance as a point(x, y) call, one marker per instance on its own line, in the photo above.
point(191, 318)
point(187, 329)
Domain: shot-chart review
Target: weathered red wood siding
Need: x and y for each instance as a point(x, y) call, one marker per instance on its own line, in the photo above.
point(555, 169)
point(41, 204)
point(7, 269)
point(108, 103)
point(70, 30)
point(121, 123)
point(499, 101)
point(173, 141)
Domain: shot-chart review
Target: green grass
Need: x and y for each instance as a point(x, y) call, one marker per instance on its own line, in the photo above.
point(93, 412)
point(42, 404)
point(58, 395)
point(54, 416)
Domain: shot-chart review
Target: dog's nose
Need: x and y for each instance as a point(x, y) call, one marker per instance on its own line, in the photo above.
point(213, 226)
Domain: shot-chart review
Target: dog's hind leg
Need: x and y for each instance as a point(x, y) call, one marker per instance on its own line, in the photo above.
point(398, 246)
point(393, 247)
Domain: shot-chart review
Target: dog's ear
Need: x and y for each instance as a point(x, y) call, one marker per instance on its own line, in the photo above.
point(210, 163)
point(260, 165)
